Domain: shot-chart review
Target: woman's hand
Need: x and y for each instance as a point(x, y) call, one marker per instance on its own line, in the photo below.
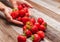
point(7, 12)
point(15, 3)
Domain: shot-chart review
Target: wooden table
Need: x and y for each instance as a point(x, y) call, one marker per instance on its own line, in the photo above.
point(9, 32)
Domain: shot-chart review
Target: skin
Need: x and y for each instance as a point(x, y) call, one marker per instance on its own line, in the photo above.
point(6, 10)
point(16, 2)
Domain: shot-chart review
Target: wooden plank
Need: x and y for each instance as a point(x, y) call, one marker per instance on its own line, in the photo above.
point(9, 34)
point(49, 4)
point(45, 10)
point(57, 1)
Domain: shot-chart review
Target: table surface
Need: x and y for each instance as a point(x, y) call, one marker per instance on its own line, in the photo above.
point(9, 31)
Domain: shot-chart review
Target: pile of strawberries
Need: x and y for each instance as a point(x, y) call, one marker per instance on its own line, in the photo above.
point(32, 28)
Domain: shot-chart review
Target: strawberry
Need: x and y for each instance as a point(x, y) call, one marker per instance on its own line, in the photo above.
point(36, 38)
point(40, 20)
point(27, 14)
point(41, 34)
point(29, 25)
point(20, 7)
point(26, 10)
point(14, 9)
point(28, 33)
point(34, 29)
point(45, 24)
point(21, 38)
point(24, 28)
point(25, 19)
point(22, 12)
point(23, 5)
point(15, 14)
point(32, 20)
point(19, 18)
point(37, 24)
point(42, 27)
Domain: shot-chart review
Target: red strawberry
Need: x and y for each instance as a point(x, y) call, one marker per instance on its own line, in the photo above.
point(21, 38)
point(32, 20)
point(19, 18)
point(40, 20)
point(23, 5)
point(41, 34)
point(27, 14)
point(24, 28)
point(28, 27)
point(36, 38)
point(20, 7)
point(15, 14)
point(28, 33)
point(42, 27)
point(25, 19)
point(37, 24)
point(34, 29)
point(26, 10)
point(22, 12)
point(45, 24)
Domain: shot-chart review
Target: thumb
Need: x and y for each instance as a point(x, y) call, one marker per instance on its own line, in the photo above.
point(28, 4)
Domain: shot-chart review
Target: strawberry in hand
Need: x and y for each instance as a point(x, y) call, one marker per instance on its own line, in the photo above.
point(25, 19)
point(19, 18)
point(15, 14)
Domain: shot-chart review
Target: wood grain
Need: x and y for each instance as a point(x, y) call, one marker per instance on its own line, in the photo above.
point(9, 32)
point(46, 11)
point(57, 0)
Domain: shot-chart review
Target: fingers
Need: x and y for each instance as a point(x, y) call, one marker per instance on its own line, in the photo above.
point(17, 22)
point(25, 3)
point(9, 18)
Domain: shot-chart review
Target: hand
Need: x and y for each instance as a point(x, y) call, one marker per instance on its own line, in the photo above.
point(15, 3)
point(7, 12)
